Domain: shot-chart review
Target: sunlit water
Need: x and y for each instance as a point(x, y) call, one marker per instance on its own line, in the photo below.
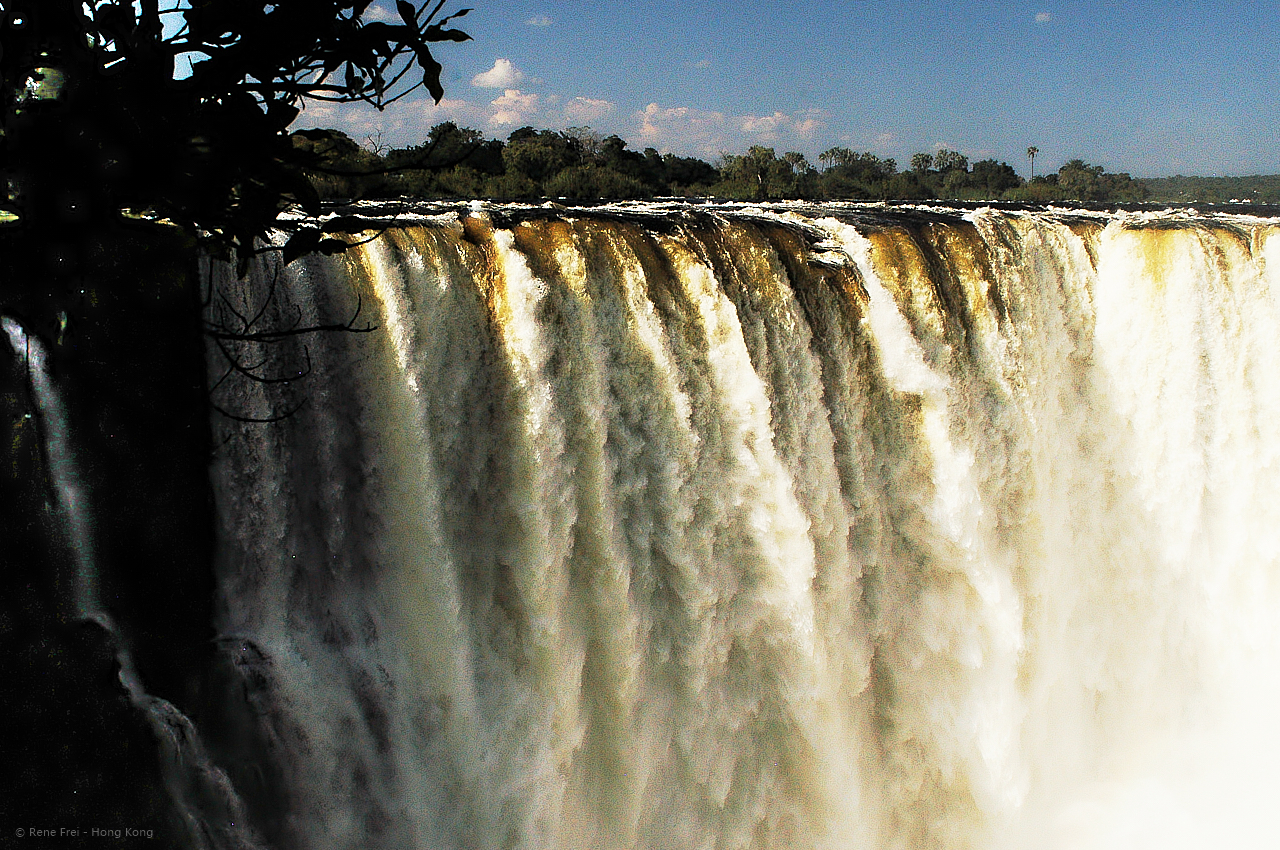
point(783, 528)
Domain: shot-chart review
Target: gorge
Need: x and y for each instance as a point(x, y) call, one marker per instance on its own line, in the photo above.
point(723, 526)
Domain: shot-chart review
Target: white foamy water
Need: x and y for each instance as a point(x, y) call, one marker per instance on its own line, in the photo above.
point(764, 529)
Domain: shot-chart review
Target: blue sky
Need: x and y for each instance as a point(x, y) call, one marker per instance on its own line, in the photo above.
point(1145, 87)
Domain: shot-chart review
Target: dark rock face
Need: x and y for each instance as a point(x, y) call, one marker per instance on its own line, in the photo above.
point(128, 363)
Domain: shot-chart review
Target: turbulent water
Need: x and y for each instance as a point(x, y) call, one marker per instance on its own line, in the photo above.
point(674, 528)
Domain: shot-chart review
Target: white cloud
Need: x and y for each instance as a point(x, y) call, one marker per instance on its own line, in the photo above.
point(512, 106)
point(460, 111)
point(685, 128)
point(1043, 18)
point(805, 128)
point(503, 75)
point(401, 124)
point(587, 109)
point(539, 21)
point(771, 127)
point(766, 126)
point(378, 13)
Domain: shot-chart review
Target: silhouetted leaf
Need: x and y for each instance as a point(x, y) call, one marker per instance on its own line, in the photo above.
point(301, 243)
point(435, 33)
point(282, 114)
point(430, 72)
point(384, 38)
point(212, 151)
point(303, 191)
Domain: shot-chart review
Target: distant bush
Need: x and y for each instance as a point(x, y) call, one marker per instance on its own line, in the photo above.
point(587, 182)
point(581, 164)
point(1258, 189)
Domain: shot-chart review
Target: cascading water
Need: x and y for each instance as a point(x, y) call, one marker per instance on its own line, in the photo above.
point(209, 810)
point(663, 528)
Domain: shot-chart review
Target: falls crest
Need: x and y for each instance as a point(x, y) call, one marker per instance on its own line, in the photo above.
point(757, 529)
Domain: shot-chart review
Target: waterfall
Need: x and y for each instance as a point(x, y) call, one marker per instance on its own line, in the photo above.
point(208, 807)
point(671, 527)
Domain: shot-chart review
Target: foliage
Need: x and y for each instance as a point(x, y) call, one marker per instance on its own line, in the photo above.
point(586, 182)
point(686, 175)
point(581, 164)
point(948, 160)
point(850, 174)
point(540, 154)
point(95, 122)
point(1077, 180)
point(993, 178)
point(1256, 189)
point(758, 175)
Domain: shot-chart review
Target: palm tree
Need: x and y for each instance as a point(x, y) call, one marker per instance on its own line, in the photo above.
point(1031, 155)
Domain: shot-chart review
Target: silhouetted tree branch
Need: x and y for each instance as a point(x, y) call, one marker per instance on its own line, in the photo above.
point(219, 327)
point(95, 121)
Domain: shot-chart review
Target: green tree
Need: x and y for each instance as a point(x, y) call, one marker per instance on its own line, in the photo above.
point(1081, 181)
point(447, 145)
point(799, 164)
point(909, 186)
point(450, 163)
point(835, 156)
point(948, 160)
point(590, 142)
point(1078, 180)
point(539, 155)
point(853, 174)
point(686, 175)
point(95, 119)
point(992, 178)
point(757, 175)
point(632, 165)
point(593, 181)
point(921, 162)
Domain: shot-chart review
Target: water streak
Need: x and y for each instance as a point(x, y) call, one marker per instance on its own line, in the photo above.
point(766, 529)
point(211, 810)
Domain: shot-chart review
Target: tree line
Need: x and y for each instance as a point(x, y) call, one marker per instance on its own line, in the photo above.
point(581, 164)
point(1254, 189)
